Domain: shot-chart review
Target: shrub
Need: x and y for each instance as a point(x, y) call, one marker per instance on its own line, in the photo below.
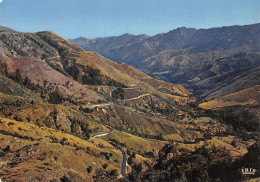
point(149, 154)
point(138, 168)
point(130, 160)
point(17, 118)
point(91, 76)
point(89, 169)
point(63, 141)
point(2, 153)
point(233, 143)
point(65, 179)
point(114, 172)
point(55, 158)
point(119, 93)
point(55, 98)
point(133, 154)
point(107, 157)
point(10, 123)
point(73, 71)
point(105, 165)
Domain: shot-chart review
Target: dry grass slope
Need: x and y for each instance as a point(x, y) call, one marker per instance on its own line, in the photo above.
point(250, 96)
point(31, 151)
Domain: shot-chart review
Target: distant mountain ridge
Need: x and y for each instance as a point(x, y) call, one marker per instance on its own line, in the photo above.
point(189, 56)
point(193, 40)
point(106, 43)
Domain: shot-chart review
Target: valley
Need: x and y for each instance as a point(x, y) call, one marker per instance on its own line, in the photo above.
point(208, 62)
point(70, 114)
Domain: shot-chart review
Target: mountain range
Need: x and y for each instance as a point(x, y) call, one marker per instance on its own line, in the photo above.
point(48, 83)
point(208, 62)
point(69, 114)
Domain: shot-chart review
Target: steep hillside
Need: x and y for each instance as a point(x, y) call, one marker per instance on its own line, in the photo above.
point(53, 63)
point(49, 84)
point(204, 164)
point(32, 153)
point(250, 96)
point(67, 114)
point(203, 60)
point(56, 71)
point(239, 109)
point(213, 161)
point(62, 73)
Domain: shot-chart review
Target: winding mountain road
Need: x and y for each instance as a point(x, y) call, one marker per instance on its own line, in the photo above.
point(100, 105)
point(123, 165)
point(101, 134)
point(124, 156)
point(140, 96)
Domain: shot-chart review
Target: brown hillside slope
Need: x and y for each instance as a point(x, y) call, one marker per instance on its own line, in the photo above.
point(54, 63)
point(28, 151)
point(205, 61)
point(250, 96)
point(55, 95)
point(240, 109)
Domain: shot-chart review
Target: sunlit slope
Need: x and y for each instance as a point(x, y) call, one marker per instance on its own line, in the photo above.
point(29, 151)
point(250, 96)
point(53, 63)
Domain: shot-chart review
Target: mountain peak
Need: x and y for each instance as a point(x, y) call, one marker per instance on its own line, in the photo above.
point(181, 29)
point(127, 34)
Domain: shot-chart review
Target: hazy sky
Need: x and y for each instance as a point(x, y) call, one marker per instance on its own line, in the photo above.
point(98, 18)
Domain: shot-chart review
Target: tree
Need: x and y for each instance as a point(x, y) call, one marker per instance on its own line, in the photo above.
point(26, 81)
point(55, 98)
point(133, 154)
point(18, 118)
point(150, 154)
point(105, 165)
point(114, 172)
point(65, 179)
point(90, 168)
point(233, 143)
point(130, 160)
point(119, 93)
point(73, 71)
point(17, 77)
point(139, 168)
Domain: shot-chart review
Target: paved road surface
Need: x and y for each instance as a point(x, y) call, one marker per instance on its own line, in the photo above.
point(100, 105)
point(101, 134)
point(124, 157)
point(123, 165)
